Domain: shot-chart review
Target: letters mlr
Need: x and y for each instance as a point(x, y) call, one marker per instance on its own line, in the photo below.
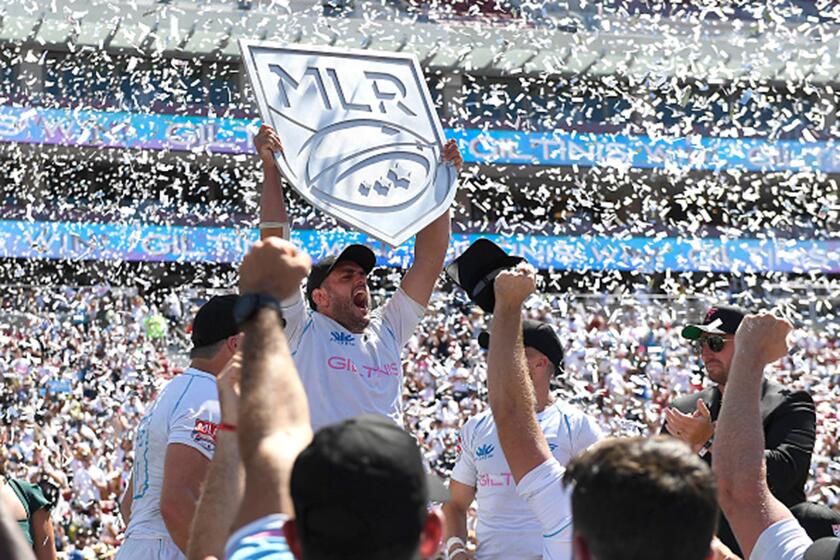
point(382, 85)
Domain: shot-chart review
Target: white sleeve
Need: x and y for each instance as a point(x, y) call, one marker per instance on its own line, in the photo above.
point(550, 501)
point(464, 469)
point(588, 432)
point(194, 425)
point(401, 315)
point(783, 540)
point(295, 315)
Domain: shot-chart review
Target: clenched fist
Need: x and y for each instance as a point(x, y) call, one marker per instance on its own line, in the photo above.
point(764, 336)
point(267, 142)
point(273, 266)
point(514, 285)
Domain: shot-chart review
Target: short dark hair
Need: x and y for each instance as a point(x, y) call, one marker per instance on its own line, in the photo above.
point(643, 499)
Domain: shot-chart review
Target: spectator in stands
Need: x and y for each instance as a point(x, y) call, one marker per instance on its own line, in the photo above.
point(765, 528)
point(506, 526)
point(176, 440)
point(789, 416)
point(349, 358)
point(359, 489)
point(631, 498)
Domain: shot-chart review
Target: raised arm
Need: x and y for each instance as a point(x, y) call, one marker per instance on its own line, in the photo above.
point(430, 245)
point(273, 414)
point(738, 451)
point(274, 221)
point(225, 479)
point(511, 391)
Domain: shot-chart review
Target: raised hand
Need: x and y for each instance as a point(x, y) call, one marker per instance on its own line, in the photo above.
point(514, 285)
point(267, 142)
point(273, 266)
point(452, 155)
point(763, 337)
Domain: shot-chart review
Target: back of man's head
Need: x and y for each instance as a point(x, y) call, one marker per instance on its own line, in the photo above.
point(360, 492)
point(643, 499)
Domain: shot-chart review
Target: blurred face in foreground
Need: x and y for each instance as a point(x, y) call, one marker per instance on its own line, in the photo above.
point(344, 297)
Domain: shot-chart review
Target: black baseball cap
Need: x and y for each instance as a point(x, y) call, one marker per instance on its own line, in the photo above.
point(719, 320)
point(359, 488)
point(214, 321)
point(476, 269)
point(358, 254)
point(538, 335)
point(827, 548)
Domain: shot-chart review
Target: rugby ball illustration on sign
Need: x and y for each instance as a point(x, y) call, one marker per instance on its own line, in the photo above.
point(361, 138)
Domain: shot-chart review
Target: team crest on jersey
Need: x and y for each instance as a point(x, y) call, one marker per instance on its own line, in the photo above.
point(484, 452)
point(204, 434)
point(835, 528)
point(552, 446)
point(342, 338)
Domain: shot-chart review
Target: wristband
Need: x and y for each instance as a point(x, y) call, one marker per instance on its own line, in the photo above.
point(450, 555)
point(284, 226)
point(706, 447)
point(223, 427)
point(455, 540)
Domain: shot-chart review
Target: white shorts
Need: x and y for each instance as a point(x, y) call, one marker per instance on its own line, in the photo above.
point(136, 548)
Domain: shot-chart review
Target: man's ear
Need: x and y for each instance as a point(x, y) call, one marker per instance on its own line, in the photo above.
point(320, 297)
point(432, 534)
point(291, 534)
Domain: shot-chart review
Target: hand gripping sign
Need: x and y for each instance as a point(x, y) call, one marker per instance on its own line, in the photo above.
point(361, 138)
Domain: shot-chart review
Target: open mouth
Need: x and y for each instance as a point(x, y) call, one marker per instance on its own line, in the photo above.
point(360, 300)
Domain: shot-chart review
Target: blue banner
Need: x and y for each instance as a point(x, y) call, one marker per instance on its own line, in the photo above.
point(559, 148)
point(77, 241)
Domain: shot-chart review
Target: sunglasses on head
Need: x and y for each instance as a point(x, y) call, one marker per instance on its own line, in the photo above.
point(713, 341)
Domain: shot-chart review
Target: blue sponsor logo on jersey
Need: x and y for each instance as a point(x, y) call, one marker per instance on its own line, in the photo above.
point(484, 452)
point(342, 338)
point(552, 446)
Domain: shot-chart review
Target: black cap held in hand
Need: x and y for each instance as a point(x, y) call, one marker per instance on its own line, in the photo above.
point(358, 254)
point(214, 321)
point(719, 320)
point(539, 336)
point(477, 268)
point(360, 485)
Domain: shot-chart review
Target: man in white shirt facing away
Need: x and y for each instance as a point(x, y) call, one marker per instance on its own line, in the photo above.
point(175, 442)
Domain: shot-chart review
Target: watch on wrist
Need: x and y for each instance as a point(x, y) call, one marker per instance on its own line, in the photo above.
point(248, 305)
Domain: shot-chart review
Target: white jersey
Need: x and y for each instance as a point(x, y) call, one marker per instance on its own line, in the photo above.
point(551, 502)
point(347, 374)
point(783, 540)
point(185, 412)
point(507, 528)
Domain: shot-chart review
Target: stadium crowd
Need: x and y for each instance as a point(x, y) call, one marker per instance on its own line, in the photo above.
point(81, 365)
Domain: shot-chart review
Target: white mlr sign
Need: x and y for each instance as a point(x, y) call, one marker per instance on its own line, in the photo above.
point(361, 138)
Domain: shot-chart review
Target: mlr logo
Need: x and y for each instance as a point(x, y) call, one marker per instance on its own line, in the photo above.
point(361, 138)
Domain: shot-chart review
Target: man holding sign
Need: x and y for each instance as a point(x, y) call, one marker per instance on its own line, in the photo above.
point(348, 355)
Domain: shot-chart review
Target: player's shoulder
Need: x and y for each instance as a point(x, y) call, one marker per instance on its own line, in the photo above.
point(192, 385)
point(569, 411)
point(483, 421)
